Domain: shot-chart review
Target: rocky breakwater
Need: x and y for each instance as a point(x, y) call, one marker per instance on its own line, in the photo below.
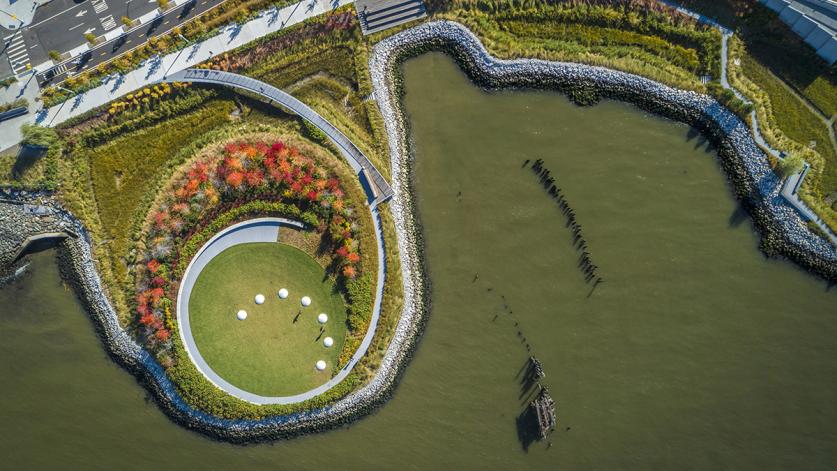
point(78, 266)
point(25, 216)
point(782, 229)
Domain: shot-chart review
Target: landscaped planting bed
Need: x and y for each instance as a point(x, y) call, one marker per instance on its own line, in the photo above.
point(263, 178)
point(795, 120)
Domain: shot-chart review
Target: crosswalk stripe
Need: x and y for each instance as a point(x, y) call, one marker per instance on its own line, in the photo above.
point(99, 5)
point(108, 22)
point(18, 55)
point(17, 52)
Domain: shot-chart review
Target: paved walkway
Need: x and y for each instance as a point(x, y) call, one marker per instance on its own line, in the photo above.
point(359, 162)
point(156, 69)
point(264, 230)
point(15, 14)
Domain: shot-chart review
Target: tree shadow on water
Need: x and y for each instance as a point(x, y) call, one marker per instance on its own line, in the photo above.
point(738, 217)
point(692, 133)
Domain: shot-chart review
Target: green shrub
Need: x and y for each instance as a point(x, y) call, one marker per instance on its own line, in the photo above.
point(314, 133)
point(38, 136)
point(361, 299)
point(727, 98)
point(790, 165)
point(190, 247)
point(8, 81)
point(15, 104)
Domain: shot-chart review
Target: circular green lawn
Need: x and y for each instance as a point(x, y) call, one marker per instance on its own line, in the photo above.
point(268, 353)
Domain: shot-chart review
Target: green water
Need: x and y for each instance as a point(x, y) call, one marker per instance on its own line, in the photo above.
point(696, 352)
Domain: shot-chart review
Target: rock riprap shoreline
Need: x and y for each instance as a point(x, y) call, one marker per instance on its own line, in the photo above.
point(783, 232)
point(782, 229)
point(16, 226)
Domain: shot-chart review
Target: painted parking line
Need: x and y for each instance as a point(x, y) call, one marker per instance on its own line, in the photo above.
point(103, 53)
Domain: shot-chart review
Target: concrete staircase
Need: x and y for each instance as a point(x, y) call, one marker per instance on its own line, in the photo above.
point(378, 15)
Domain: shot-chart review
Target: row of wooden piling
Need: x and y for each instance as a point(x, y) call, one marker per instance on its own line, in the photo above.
point(585, 263)
point(542, 406)
point(538, 419)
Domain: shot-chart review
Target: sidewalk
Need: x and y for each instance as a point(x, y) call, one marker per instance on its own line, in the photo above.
point(15, 14)
point(10, 130)
point(152, 71)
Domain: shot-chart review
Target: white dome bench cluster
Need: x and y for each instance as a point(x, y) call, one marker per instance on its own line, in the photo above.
point(305, 301)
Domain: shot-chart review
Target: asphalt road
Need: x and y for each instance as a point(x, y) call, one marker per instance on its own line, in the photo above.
point(60, 25)
point(107, 51)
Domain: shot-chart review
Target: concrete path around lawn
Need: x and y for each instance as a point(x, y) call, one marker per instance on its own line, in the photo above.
point(264, 230)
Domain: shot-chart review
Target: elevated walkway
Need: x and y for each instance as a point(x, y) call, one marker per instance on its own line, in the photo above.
point(380, 188)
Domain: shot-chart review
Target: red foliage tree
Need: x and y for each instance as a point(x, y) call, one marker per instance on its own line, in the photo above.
point(234, 179)
point(160, 218)
point(255, 178)
point(262, 148)
point(199, 172)
point(143, 309)
point(277, 147)
point(349, 271)
point(162, 335)
point(155, 295)
point(153, 265)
